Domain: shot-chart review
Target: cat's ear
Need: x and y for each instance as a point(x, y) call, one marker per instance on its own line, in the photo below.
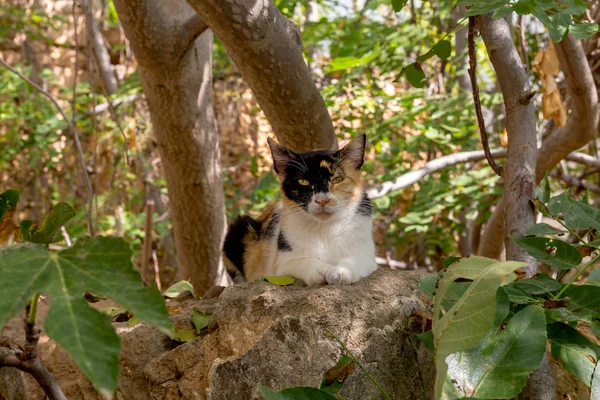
point(281, 156)
point(353, 154)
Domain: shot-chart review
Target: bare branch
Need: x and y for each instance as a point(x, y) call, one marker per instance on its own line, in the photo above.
point(584, 159)
point(575, 182)
point(147, 244)
point(429, 168)
point(193, 27)
point(72, 132)
point(100, 108)
point(480, 121)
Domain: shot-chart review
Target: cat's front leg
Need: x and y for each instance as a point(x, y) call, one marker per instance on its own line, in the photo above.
point(349, 270)
point(310, 270)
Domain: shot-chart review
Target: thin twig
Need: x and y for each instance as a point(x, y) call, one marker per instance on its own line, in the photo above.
point(359, 364)
point(72, 132)
point(90, 198)
point(480, 121)
point(156, 270)
point(147, 241)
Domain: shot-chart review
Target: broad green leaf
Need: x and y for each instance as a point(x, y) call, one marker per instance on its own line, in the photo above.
point(296, 393)
point(560, 26)
point(546, 4)
point(454, 293)
point(517, 295)
point(574, 313)
point(450, 260)
point(200, 320)
point(574, 7)
point(484, 7)
point(112, 311)
point(133, 321)
point(49, 231)
point(542, 191)
point(589, 216)
point(334, 378)
point(100, 265)
point(26, 229)
point(8, 199)
point(559, 204)
point(543, 229)
point(415, 75)
point(443, 49)
point(595, 393)
point(554, 252)
point(541, 15)
point(576, 352)
point(280, 280)
point(586, 296)
point(397, 5)
point(178, 288)
point(524, 7)
point(498, 368)
point(539, 284)
point(594, 277)
point(503, 12)
point(470, 319)
point(584, 30)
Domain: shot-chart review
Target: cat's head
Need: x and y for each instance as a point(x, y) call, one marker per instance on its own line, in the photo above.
point(322, 183)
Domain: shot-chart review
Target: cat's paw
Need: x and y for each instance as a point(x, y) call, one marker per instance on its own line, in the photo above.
point(316, 277)
point(340, 276)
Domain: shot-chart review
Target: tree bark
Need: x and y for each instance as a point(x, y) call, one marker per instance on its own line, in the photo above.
point(519, 170)
point(267, 49)
point(99, 51)
point(175, 64)
point(580, 128)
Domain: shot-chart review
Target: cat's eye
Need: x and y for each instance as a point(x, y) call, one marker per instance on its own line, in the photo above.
point(303, 182)
point(337, 179)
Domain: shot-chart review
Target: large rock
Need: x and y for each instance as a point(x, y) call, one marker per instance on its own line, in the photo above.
point(269, 335)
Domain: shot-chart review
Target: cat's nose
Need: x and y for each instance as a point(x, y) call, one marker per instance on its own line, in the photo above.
point(322, 202)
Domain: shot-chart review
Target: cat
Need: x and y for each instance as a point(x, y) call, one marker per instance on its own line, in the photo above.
point(320, 231)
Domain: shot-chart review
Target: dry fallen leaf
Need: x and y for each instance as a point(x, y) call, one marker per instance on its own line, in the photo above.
point(9, 228)
point(545, 63)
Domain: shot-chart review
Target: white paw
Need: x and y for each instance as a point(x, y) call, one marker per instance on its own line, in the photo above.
point(340, 276)
point(316, 277)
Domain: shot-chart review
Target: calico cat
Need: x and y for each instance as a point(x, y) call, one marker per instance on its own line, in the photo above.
point(320, 231)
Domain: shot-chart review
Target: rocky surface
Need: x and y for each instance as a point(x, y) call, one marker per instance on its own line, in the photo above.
point(261, 334)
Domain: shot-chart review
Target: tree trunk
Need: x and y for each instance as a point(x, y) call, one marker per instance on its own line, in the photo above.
point(519, 170)
point(267, 49)
point(175, 64)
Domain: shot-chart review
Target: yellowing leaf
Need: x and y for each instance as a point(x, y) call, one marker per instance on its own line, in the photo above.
point(504, 138)
point(9, 229)
point(280, 280)
point(545, 63)
point(183, 334)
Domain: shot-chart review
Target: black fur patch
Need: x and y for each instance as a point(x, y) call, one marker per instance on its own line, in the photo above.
point(282, 243)
point(365, 207)
point(233, 246)
point(271, 227)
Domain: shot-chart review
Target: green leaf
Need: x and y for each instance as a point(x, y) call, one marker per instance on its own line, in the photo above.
point(542, 191)
point(554, 252)
point(454, 293)
point(426, 56)
point(443, 49)
point(574, 7)
point(26, 229)
point(178, 288)
point(584, 30)
point(296, 393)
point(503, 12)
point(539, 284)
point(450, 260)
point(470, 319)
point(100, 265)
point(516, 295)
point(595, 393)
point(560, 26)
point(8, 198)
point(133, 321)
point(541, 15)
point(546, 4)
point(594, 277)
point(49, 231)
point(112, 311)
point(589, 217)
point(415, 75)
point(586, 296)
point(501, 364)
point(200, 320)
point(484, 7)
point(543, 229)
point(559, 204)
point(334, 378)
point(183, 334)
point(524, 7)
point(574, 350)
point(427, 339)
point(280, 280)
point(397, 5)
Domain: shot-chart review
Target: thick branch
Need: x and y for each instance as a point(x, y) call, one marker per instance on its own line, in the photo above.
point(475, 88)
point(266, 47)
point(429, 168)
point(99, 51)
point(579, 130)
